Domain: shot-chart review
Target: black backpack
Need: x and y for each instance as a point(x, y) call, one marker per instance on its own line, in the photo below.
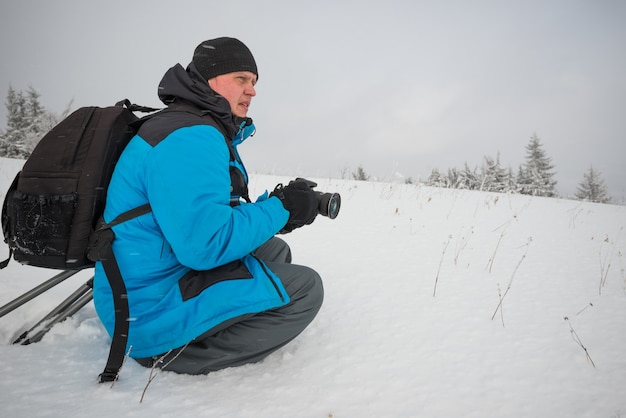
point(52, 213)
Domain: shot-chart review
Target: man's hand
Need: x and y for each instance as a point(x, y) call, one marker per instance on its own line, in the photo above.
point(300, 200)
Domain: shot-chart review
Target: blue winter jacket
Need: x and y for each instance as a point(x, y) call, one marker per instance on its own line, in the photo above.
point(180, 163)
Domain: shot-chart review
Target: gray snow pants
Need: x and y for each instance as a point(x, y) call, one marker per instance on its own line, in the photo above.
point(250, 338)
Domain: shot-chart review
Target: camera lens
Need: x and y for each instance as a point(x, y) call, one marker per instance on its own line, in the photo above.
point(329, 204)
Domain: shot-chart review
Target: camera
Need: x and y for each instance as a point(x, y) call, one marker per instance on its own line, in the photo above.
point(328, 204)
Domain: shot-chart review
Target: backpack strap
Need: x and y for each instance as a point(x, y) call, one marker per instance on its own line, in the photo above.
point(135, 107)
point(101, 248)
point(117, 350)
point(6, 224)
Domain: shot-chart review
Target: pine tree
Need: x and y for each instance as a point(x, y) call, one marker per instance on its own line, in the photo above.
point(13, 141)
point(536, 177)
point(470, 178)
point(453, 179)
point(436, 179)
point(592, 188)
point(511, 181)
point(494, 177)
point(520, 180)
point(360, 174)
point(35, 118)
point(27, 122)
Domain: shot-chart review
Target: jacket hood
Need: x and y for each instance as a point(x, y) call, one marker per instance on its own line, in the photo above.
point(189, 86)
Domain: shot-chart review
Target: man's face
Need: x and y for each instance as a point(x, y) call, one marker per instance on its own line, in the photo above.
point(237, 88)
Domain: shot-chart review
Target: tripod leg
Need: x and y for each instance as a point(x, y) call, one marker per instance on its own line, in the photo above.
point(65, 309)
point(36, 291)
point(85, 299)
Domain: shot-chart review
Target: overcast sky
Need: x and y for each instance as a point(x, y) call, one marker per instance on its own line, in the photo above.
point(398, 87)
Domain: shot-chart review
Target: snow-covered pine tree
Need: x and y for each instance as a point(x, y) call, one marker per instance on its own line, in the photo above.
point(511, 181)
point(592, 188)
point(453, 179)
point(536, 177)
point(520, 179)
point(360, 174)
point(470, 178)
point(436, 179)
point(13, 140)
point(494, 177)
point(35, 115)
point(486, 175)
point(27, 122)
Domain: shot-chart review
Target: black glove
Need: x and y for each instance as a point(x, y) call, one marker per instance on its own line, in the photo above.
point(300, 200)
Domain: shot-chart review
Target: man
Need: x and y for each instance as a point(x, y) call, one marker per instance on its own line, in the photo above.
point(208, 284)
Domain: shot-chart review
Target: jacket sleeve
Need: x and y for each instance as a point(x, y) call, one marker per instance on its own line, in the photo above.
point(188, 185)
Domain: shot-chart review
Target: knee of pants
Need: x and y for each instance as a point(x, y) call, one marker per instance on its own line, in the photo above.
point(274, 250)
point(319, 290)
point(314, 291)
point(302, 283)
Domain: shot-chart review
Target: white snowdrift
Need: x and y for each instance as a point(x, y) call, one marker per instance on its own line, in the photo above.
point(438, 303)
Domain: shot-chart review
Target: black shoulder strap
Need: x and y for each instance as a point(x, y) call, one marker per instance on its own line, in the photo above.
point(104, 252)
point(135, 107)
point(6, 224)
point(117, 351)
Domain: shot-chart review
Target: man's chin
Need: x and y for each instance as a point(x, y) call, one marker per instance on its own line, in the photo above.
point(239, 112)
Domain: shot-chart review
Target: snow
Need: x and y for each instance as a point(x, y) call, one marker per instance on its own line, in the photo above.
point(438, 303)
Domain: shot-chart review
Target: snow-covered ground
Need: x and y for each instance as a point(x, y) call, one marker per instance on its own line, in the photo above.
point(439, 303)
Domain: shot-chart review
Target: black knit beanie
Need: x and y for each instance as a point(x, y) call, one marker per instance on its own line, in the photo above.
point(221, 56)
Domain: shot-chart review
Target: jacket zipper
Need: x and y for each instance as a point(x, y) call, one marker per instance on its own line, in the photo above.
point(264, 267)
